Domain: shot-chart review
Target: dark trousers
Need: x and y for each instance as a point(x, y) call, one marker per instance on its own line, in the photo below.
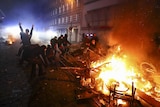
point(20, 51)
point(37, 66)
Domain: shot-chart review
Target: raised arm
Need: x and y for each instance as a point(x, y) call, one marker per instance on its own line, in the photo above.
point(31, 30)
point(20, 27)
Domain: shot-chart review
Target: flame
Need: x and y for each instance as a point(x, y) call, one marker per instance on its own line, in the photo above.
point(117, 69)
point(10, 39)
point(121, 102)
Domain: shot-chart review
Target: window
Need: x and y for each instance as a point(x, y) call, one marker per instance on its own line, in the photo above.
point(56, 11)
point(53, 22)
point(59, 9)
point(59, 20)
point(77, 3)
point(71, 5)
point(76, 18)
point(53, 12)
point(70, 20)
point(66, 19)
point(67, 8)
point(56, 21)
point(63, 8)
point(62, 20)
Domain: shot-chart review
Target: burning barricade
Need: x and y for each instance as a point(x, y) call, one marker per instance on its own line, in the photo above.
point(116, 81)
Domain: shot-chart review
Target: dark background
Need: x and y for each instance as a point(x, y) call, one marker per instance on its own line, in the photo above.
point(21, 10)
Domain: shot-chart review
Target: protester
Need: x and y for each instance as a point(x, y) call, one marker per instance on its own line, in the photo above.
point(66, 43)
point(60, 44)
point(25, 38)
point(50, 54)
point(54, 42)
point(93, 41)
point(86, 41)
point(37, 58)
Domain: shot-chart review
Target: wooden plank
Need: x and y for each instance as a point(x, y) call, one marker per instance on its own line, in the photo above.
point(148, 99)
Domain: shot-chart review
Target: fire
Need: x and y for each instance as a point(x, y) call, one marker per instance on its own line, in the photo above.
point(10, 39)
point(121, 102)
point(117, 70)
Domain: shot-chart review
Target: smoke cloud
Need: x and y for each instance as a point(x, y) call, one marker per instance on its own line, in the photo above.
point(134, 25)
point(24, 11)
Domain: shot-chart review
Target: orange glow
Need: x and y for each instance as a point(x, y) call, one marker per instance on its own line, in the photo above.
point(10, 42)
point(10, 39)
point(121, 102)
point(69, 1)
point(117, 69)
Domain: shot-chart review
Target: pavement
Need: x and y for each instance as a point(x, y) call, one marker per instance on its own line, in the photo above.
point(14, 87)
point(54, 89)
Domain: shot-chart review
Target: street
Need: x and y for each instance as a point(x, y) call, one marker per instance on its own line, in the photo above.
point(14, 87)
point(55, 89)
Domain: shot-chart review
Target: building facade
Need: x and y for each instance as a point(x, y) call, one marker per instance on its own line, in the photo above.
point(76, 17)
point(98, 15)
point(64, 17)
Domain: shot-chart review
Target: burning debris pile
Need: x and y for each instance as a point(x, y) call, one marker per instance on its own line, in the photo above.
point(114, 80)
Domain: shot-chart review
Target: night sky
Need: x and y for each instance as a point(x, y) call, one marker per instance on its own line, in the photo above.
point(25, 11)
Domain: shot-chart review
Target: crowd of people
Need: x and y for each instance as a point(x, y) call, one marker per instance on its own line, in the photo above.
point(43, 56)
point(57, 45)
point(38, 55)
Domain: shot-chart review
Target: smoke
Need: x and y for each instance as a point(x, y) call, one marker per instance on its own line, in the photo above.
point(23, 14)
point(24, 11)
point(28, 12)
point(134, 25)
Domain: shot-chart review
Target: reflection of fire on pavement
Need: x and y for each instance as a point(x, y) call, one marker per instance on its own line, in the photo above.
point(116, 81)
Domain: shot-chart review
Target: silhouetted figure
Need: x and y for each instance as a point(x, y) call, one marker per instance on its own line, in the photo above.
point(50, 54)
point(60, 44)
point(86, 41)
point(66, 43)
point(93, 41)
point(25, 38)
point(54, 42)
point(37, 59)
